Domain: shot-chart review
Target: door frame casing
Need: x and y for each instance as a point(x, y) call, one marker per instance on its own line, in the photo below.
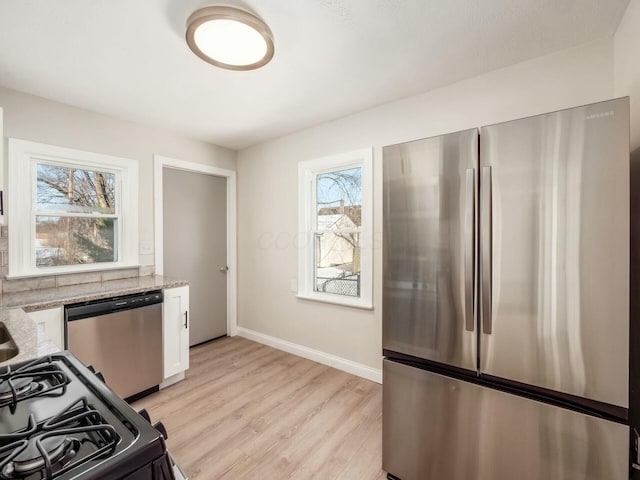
point(159, 163)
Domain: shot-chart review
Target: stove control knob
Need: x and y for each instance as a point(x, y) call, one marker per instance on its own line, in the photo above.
point(97, 374)
point(160, 427)
point(143, 413)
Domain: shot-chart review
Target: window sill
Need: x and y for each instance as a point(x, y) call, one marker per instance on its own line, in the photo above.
point(337, 300)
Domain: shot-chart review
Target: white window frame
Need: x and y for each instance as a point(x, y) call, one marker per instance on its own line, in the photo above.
point(23, 157)
point(4, 193)
point(307, 172)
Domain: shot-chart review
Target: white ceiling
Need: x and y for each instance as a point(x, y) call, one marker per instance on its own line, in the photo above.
point(128, 58)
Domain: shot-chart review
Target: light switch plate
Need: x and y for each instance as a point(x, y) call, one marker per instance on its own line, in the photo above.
point(146, 247)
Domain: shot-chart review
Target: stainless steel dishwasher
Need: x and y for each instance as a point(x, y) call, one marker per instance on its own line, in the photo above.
point(122, 338)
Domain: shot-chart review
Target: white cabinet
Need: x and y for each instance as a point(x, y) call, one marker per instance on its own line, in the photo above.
point(52, 322)
point(175, 335)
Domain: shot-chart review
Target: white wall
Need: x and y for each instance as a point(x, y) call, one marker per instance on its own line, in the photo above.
point(268, 202)
point(627, 66)
point(40, 120)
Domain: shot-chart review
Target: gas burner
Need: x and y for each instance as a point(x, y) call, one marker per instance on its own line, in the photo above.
point(32, 458)
point(21, 388)
point(38, 378)
point(46, 450)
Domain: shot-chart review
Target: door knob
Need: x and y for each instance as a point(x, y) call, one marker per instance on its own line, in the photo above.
point(224, 269)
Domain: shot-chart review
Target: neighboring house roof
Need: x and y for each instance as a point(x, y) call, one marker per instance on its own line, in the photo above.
point(330, 222)
point(354, 212)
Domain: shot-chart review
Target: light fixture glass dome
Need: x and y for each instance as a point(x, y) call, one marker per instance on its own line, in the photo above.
point(230, 38)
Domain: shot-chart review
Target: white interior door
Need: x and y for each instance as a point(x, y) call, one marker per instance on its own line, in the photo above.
point(195, 246)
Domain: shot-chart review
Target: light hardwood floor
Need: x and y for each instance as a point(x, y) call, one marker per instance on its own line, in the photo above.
point(248, 411)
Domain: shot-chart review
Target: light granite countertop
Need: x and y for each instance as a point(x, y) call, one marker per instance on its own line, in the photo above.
point(44, 298)
point(31, 341)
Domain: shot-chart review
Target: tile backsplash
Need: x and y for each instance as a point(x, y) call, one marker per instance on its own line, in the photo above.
point(50, 281)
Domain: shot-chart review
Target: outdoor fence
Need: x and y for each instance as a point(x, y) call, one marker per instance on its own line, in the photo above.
point(347, 285)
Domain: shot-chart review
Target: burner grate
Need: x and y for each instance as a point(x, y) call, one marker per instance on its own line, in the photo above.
point(41, 377)
point(45, 451)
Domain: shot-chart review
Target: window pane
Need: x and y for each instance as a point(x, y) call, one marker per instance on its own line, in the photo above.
point(337, 265)
point(75, 190)
point(339, 199)
point(74, 241)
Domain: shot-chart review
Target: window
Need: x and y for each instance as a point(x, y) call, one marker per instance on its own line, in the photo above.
point(335, 263)
point(71, 211)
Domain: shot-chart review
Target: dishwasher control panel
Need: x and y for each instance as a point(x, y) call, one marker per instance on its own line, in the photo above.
point(113, 304)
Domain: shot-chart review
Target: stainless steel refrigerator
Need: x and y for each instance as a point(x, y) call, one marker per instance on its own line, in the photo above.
point(506, 300)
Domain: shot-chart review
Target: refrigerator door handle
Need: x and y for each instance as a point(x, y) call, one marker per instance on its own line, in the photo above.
point(469, 233)
point(485, 247)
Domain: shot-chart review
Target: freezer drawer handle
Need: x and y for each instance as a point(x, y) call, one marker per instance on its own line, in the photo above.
point(485, 245)
point(469, 225)
point(636, 448)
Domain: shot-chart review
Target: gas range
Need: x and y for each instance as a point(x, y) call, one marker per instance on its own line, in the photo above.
point(58, 420)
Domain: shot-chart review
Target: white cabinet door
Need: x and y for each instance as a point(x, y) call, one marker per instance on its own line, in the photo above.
point(175, 335)
point(52, 322)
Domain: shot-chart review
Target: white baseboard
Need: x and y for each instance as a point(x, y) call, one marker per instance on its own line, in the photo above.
point(340, 363)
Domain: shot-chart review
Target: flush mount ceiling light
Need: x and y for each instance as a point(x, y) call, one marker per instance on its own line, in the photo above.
point(230, 37)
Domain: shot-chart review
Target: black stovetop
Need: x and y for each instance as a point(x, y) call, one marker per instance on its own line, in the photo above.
point(58, 420)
